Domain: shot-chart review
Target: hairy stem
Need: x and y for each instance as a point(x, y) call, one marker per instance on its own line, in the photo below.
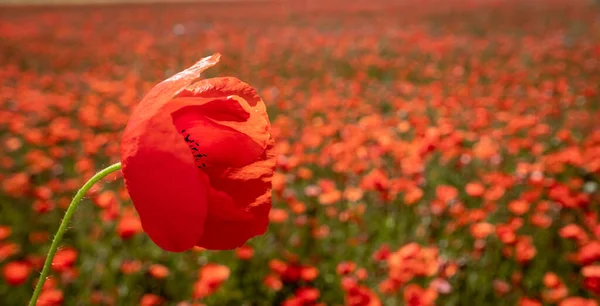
point(64, 224)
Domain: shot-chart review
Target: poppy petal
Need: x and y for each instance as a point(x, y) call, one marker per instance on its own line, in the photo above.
point(159, 171)
point(166, 90)
point(249, 191)
point(256, 126)
point(164, 185)
point(239, 190)
point(214, 142)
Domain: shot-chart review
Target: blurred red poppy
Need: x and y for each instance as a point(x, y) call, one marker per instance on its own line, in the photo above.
point(210, 278)
point(151, 300)
point(64, 259)
point(51, 297)
point(577, 301)
point(5, 232)
point(591, 279)
point(244, 252)
point(158, 271)
point(198, 161)
point(16, 273)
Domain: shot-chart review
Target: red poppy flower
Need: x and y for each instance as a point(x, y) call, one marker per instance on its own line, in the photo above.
point(198, 161)
point(51, 297)
point(210, 278)
point(15, 273)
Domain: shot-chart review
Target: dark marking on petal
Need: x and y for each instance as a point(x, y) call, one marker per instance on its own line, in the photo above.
point(195, 148)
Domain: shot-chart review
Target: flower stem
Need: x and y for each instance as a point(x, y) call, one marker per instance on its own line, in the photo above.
point(64, 224)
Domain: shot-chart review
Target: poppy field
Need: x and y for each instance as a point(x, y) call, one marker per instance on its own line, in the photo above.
point(426, 153)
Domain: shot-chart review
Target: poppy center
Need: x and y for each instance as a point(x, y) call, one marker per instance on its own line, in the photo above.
point(199, 157)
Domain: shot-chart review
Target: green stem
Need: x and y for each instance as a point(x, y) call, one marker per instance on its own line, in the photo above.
point(64, 224)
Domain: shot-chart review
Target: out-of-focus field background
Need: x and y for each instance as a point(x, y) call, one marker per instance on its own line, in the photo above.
point(95, 2)
point(429, 152)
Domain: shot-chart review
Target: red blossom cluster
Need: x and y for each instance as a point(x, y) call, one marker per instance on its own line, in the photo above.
point(439, 152)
